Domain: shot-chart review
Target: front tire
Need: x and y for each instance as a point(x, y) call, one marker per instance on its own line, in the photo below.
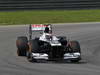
point(75, 46)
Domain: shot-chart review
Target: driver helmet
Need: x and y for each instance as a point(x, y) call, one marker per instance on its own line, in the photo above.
point(46, 30)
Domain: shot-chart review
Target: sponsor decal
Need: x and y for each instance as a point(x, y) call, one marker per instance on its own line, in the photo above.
point(39, 26)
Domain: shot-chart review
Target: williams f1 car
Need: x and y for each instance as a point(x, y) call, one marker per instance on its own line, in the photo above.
point(47, 46)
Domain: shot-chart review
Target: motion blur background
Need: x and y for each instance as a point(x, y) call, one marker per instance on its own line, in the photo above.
point(48, 4)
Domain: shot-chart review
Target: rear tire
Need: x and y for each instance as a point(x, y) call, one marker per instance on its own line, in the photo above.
point(22, 45)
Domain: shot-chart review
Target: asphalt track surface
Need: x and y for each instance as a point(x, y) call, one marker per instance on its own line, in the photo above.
point(88, 34)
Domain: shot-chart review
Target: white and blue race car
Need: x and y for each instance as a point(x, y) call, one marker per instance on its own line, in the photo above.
point(47, 46)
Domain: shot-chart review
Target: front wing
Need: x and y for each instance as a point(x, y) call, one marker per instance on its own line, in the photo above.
point(67, 56)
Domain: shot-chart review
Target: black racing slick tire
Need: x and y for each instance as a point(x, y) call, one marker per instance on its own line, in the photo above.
point(22, 45)
point(75, 46)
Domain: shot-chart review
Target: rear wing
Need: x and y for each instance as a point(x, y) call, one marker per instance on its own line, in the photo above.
point(38, 27)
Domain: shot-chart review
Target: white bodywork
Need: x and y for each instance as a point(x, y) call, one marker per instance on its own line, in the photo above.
point(40, 56)
point(53, 40)
point(45, 35)
point(66, 56)
point(71, 55)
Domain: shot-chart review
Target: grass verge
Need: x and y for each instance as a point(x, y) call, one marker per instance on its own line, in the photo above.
point(50, 16)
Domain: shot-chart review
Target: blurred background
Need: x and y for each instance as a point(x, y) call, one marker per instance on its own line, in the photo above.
point(48, 4)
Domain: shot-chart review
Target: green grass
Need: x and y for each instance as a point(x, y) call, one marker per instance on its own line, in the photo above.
point(50, 16)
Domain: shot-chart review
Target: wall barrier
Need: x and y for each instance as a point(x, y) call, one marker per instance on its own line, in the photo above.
point(48, 4)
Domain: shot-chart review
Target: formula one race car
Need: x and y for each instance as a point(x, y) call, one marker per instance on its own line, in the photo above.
point(47, 46)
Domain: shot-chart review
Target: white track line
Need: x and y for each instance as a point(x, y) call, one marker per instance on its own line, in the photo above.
point(81, 23)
